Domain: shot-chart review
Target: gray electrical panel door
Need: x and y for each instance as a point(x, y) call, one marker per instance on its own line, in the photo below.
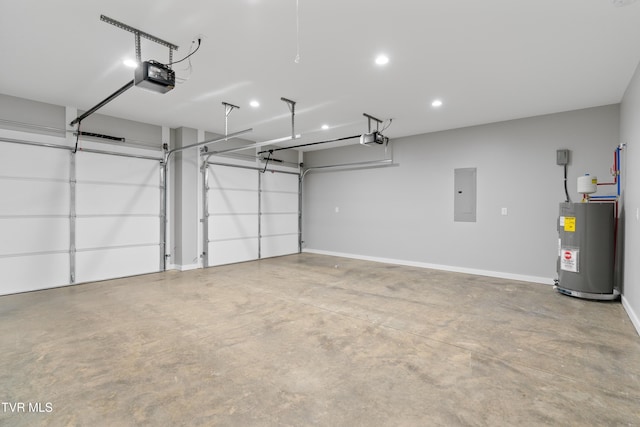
point(464, 204)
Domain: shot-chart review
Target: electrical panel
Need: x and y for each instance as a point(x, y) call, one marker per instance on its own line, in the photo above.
point(562, 157)
point(464, 205)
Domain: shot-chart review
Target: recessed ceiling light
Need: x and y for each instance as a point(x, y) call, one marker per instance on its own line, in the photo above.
point(436, 103)
point(254, 104)
point(325, 127)
point(382, 59)
point(131, 63)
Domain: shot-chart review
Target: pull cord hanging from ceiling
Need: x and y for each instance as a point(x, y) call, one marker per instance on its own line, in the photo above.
point(297, 60)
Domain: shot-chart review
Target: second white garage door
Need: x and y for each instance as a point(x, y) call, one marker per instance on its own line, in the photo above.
point(251, 215)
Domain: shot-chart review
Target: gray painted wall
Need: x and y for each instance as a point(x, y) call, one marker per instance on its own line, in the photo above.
point(16, 111)
point(630, 134)
point(136, 134)
point(19, 114)
point(405, 213)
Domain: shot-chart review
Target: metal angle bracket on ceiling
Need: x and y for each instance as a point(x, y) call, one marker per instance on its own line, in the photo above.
point(369, 118)
point(292, 108)
point(228, 108)
point(139, 33)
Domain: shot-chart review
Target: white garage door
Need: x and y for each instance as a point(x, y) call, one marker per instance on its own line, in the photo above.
point(251, 215)
point(71, 218)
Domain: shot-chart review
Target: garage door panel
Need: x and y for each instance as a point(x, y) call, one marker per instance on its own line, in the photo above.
point(32, 235)
point(34, 197)
point(280, 182)
point(112, 263)
point(279, 202)
point(232, 251)
point(30, 273)
point(34, 162)
point(279, 245)
point(116, 231)
point(233, 226)
point(232, 178)
point(117, 169)
point(223, 201)
point(105, 199)
point(279, 224)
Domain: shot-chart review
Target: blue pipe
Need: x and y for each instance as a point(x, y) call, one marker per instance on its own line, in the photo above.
point(603, 197)
point(618, 175)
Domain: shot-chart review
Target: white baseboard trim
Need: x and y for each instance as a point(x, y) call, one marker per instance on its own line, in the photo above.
point(454, 269)
point(631, 313)
point(183, 267)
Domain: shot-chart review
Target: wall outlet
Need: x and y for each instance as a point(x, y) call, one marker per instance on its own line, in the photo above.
point(504, 211)
point(337, 209)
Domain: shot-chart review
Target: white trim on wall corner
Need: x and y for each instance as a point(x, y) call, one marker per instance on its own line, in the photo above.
point(632, 314)
point(454, 269)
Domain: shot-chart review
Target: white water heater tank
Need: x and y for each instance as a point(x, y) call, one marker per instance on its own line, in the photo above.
point(587, 184)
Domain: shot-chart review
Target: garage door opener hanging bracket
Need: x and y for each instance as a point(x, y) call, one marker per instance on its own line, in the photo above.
point(139, 33)
point(228, 108)
point(150, 67)
point(369, 118)
point(292, 108)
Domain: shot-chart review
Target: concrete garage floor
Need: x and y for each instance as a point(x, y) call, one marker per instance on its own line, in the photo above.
point(316, 340)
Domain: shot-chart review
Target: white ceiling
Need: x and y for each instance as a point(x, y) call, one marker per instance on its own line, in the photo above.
point(488, 60)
